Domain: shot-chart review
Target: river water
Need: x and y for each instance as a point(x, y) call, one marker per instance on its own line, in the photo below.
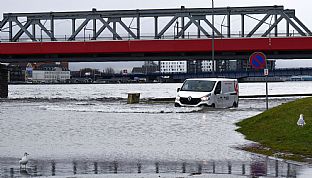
point(90, 129)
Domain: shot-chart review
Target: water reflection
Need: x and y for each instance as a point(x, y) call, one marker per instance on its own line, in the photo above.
point(262, 166)
point(24, 172)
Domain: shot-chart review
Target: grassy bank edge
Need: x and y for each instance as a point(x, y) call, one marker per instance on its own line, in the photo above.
point(276, 133)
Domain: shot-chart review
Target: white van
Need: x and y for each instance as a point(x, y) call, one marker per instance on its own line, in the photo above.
point(212, 92)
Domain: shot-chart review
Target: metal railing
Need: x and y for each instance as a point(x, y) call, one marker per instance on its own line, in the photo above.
point(124, 37)
point(166, 24)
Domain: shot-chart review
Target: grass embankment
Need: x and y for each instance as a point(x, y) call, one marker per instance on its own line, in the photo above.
point(277, 132)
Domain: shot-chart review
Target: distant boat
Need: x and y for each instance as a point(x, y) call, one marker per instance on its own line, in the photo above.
point(262, 79)
point(301, 78)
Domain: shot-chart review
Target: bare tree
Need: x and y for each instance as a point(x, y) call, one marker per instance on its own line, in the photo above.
point(109, 70)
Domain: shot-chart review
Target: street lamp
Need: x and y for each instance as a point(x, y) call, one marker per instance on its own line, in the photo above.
point(41, 38)
point(84, 32)
point(212, 41)
point(1, 30)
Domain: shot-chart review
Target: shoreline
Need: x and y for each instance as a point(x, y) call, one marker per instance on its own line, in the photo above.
point(257, 148)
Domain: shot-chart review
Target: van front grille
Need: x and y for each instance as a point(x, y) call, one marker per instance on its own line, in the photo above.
point(192, 101)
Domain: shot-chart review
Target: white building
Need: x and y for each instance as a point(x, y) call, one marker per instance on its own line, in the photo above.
point(206, 66)
point(173, 66)
point(40, 76)
point(49, 73)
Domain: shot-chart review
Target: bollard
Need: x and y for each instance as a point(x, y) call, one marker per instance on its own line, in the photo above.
point(288, 170)
point(53, 168)
point(12, 172)
point(95, 167)
point(3, 81)
point(139, 168)
point(157, 167)
point(199, 169)
point(184, 168)
point(133, 98)
point(276, 168)
point(74, 167)
point(115, 167)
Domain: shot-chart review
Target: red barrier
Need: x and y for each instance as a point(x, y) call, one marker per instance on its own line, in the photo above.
point(157, 46)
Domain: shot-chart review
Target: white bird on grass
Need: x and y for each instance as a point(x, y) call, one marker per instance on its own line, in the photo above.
point(24, 160)
point(300, 121)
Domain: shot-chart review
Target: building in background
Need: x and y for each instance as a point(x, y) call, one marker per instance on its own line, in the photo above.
point(24, 72)
point(194, 66)
point(147, 68)
point(173, 66)
point(244, 65)
point(50, 73)
point(206, 66)
point(16, 72)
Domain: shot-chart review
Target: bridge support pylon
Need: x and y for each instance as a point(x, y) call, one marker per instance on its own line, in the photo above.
point(3, 81)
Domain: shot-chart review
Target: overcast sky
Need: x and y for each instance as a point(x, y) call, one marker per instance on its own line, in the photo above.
point(302, 8)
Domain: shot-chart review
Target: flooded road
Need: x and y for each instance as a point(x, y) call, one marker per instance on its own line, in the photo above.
point(91, 130)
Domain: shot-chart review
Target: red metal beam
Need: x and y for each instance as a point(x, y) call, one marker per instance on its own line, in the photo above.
point(157, 46)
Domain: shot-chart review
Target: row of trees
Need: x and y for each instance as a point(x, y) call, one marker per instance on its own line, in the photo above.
point(89, 71)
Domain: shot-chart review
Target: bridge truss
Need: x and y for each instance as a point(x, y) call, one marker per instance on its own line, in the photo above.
point(33, 26)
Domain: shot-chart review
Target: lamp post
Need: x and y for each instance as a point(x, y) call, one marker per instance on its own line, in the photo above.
point(41, 36)
point(212, 41)
point(1, 30)
point(84, 32)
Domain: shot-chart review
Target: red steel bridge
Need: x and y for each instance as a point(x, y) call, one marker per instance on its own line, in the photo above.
point(177, 34)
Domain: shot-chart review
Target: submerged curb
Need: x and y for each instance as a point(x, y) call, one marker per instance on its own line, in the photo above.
point(242, 97)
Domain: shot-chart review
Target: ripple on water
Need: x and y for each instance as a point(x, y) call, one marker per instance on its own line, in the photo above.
point(117, 107)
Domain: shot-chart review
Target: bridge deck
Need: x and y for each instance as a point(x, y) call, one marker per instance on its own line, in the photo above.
point(127, 50)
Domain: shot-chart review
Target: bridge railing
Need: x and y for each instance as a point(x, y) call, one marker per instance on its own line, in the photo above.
point(145, 37)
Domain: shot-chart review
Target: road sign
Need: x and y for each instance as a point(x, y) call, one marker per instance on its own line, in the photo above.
point(257, 60)
point(266, 72)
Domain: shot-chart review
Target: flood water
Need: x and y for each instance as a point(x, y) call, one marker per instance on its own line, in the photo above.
point(90, 129)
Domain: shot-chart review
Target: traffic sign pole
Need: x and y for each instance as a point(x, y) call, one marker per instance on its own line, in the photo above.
point(266, 73)
point(258, 61)
point(266, 93)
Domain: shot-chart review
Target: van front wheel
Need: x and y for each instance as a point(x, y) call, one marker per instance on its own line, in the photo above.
point(235, 105)
point(177, 105)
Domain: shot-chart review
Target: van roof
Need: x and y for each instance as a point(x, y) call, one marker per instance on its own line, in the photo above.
point(213, 79)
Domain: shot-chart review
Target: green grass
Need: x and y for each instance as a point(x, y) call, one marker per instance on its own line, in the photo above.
point(276, 130)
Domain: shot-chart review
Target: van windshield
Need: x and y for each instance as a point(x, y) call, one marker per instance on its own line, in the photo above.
point(198, 85)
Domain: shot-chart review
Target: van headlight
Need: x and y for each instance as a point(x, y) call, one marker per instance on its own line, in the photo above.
point(177, 98)
point(206, 98)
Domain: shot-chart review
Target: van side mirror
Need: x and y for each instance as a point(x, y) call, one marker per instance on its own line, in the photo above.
point(178, 89)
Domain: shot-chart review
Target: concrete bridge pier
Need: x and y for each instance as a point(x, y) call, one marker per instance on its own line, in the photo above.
point(3, 81)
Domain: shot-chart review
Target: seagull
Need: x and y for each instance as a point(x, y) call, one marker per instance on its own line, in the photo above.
point(300, 121)
point(24, 160)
